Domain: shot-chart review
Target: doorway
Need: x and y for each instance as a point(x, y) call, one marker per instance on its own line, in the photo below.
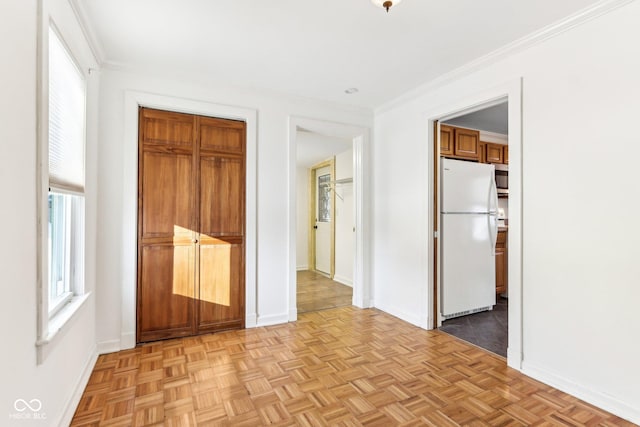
point(325, 251)
point(510, 92)
point(473, 228)
point(360, 187)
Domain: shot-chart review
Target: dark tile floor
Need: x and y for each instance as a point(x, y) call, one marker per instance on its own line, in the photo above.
point(487, 329)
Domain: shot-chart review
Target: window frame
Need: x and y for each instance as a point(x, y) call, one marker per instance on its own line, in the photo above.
point(53, 315)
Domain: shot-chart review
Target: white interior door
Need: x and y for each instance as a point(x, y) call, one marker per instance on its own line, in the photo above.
point(322, 227)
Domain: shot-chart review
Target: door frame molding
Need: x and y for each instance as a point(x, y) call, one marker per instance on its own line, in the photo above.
point(134, 100)
point(361, 166)
point(331, 163)
point(464, 104)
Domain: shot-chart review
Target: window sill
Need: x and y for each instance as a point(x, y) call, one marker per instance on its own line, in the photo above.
point(59, 322)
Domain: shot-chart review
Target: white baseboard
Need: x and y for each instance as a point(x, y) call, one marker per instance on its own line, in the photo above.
point(81, 384)
point(274, 319)
point(293, 315)
point(127, 340)
point(111, 346)
point(514, 359)
point(250, 320)
point(601, 400)
point(344, 280)
point(400, 314)
point(302, 267)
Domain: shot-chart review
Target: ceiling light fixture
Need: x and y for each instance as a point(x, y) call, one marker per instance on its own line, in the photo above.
point(385, 4)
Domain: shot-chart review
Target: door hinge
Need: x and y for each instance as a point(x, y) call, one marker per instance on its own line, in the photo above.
point(436, 235)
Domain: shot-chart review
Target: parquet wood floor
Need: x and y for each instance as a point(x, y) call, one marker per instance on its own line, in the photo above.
point(317, 292)
point(339, 367)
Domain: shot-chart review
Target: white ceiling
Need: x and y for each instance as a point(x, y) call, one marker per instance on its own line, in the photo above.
point(492, 119)
point(314, 48)
point(313, 148)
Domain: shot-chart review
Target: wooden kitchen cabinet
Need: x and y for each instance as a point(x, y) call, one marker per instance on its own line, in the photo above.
point(505, 154)
point(482, 152)
point(446, 140)
point(459, 143)
point(495, 153)
point(466, 143)
point(501, 262)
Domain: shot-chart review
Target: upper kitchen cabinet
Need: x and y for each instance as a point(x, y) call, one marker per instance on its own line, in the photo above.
point(466, 143)
point(494, 153)
point(446, 140)
point(459, 143)
point(505, 154)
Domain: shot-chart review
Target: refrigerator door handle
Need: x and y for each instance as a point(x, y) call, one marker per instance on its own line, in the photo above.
point(493, 197)
point(493, 232)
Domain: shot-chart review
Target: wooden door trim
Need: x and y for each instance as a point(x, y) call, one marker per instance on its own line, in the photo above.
point(331, 163)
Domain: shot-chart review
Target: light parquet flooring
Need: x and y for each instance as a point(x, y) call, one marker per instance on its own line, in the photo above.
point(339, 367)
point(317, 292)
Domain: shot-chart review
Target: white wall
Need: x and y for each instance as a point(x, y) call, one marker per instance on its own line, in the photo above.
point(272, 183)
point(302, 230)
point(344, 220)
point(59, 378)
point(580, 268)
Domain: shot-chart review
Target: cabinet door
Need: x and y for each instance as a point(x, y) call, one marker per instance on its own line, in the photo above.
point(494, 153)
point(446, 140)
point(505, 154)
point(466, 143)
point(482, 152)
point(501, 262)
point(501, 269)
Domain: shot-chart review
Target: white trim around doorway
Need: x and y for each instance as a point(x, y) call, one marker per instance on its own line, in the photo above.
point(511, 91)
point(360, 137)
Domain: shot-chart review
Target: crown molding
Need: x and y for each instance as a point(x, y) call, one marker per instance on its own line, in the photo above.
point(595, 10)
point(92, 40)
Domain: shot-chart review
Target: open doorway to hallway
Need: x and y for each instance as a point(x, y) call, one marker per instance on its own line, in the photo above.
point(325, 221)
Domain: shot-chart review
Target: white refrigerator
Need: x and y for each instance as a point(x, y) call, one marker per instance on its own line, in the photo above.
point(469, 229)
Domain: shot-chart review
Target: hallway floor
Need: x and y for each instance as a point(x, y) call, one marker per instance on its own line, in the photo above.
point(318, 292)
point(487, 329)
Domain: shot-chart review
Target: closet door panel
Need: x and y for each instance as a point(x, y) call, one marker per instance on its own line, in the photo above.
point(167, 128)
point(221, 298)
point(221, 196)
point(167, 291)
point(167, 199)
point(223, 136)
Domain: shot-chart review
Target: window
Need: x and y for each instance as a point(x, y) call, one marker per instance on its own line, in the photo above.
point(65, 171)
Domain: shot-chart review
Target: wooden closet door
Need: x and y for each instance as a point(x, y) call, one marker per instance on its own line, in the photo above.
point(166, 224)
point(191, 216)
point(221, 224)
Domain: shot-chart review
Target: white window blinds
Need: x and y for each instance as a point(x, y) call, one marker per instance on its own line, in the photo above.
point(66, 119)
